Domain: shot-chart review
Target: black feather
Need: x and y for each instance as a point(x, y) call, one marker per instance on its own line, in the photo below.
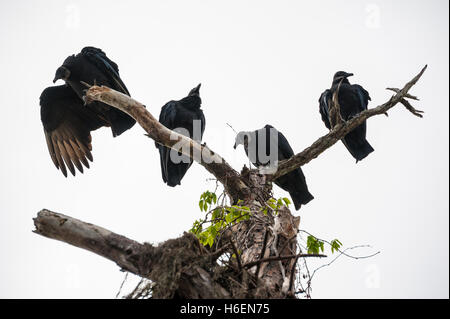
point(92, 66)
point(352, 99)
point(293, 182)
point(177, 115)
point(67, 126)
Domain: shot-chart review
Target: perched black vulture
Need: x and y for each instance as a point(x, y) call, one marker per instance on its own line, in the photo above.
point(67, 126)
point(180, 116)
point(92, 66)
point(67, 121)
point(352, 99)
point(293, 182)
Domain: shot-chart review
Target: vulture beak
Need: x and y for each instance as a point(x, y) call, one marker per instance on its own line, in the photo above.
point(196, 90)
point(235, 145)
point(62, 73)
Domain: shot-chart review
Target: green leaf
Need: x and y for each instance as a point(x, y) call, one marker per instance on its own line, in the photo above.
point(321, 245)
point(212, 231)
point(313, 245)
point(210, 241)
point(335, 245)
point(228, 218)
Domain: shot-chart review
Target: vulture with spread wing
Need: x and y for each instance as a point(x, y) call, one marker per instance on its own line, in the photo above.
point(67, 121)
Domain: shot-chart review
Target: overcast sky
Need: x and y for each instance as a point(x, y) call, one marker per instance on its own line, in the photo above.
point(259, 62)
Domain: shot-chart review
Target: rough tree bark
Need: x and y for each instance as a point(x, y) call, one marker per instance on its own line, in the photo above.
point(264, 246)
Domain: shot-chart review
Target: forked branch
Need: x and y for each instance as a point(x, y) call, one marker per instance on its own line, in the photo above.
point(215, 164)
point(341, 129)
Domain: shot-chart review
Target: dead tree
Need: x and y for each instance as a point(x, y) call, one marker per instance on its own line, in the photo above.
point(262, 250)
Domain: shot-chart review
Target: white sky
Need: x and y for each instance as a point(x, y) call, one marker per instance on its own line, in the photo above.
point(259, 62)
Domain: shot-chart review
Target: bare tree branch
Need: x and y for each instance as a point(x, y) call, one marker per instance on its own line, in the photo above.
point(212, 161)
point(96, 239)
point(410, 108)
point(190, 278)
point(215, 164)
point(277, 258)
point(408, 96)
point(335, 116)
point(341, 129)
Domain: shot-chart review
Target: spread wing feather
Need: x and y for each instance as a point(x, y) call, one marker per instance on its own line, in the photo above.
point(67, 126)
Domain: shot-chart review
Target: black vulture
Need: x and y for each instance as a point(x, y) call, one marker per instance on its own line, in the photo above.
point(92, 66)
point(293, 182)
point(67, 121)
point(352, 99)
point(180, 116)
point(67, 126)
